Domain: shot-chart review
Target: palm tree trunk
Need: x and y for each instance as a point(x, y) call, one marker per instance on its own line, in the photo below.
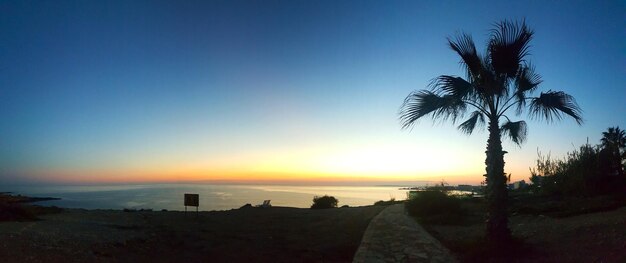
point(497, 195)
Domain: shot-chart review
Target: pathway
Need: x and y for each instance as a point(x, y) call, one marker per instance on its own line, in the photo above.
point(393, 236)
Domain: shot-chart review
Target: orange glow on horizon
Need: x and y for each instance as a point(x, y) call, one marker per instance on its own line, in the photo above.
point(358, 164)
point(115, 177)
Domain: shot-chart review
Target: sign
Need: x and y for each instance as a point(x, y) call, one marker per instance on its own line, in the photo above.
point(192, 200)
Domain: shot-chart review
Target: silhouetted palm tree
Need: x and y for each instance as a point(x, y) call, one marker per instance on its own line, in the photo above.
point(614, 140)
point(496, 83)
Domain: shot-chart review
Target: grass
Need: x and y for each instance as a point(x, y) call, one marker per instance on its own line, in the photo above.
point(545, 229)
point(560, 206)
point(276, 234)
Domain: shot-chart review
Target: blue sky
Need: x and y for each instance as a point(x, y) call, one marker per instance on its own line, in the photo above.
point(104, 91)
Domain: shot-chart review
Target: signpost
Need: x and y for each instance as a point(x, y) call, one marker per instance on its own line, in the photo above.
point(192, 200)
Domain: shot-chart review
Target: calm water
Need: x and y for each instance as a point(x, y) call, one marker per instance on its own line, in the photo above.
point(212, 197)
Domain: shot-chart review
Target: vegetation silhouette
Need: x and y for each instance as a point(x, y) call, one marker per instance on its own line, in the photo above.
point(613, 141)
point(324, 202)
point(17, 207)
point(435, 206)
point(497, 82)
point(391, 201)
point(587, 171)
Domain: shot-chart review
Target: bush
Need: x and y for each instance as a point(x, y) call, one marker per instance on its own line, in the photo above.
point(324, 202)
point(391, 201)
point(582, 172)
point(15, 212)
point(431, 206)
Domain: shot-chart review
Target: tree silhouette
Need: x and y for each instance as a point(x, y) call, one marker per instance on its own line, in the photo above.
point(614, 141)
point(496, 83)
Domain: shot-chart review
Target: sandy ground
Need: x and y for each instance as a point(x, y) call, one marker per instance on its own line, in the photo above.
point(274, 234)
point(594, 237)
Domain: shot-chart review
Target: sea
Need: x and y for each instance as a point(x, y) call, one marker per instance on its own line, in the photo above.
point(211, 196)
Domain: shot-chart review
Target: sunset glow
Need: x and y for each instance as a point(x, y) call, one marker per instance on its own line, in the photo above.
point(224, 91)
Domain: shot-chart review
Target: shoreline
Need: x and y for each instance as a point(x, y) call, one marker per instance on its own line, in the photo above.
point(211, 198)
point(9, 197)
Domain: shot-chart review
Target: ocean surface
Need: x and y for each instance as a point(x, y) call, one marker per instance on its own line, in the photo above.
point(212, 197)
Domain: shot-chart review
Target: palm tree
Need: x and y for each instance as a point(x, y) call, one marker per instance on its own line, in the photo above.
point(496, 83)
point(614, 140)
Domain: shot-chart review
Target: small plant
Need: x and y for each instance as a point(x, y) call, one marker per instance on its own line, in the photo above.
point(324, 202)
point(391, 201)
point(432, 206)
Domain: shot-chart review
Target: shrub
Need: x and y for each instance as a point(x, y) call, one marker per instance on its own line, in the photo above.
point(324, 202)
point(431, 206)
point(391, 201)
point(15, 212)
point(441, 187)
point(582, 172)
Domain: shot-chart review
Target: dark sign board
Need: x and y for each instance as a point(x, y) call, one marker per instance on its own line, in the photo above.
point(192, 200)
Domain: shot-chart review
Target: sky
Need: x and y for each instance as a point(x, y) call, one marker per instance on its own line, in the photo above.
point(278, 91)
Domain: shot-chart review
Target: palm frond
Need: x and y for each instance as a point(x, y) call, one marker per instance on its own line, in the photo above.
point(489, 83)
point(607, 137)
point(525, 82)
point(421, 103)
point(463, 44)
point(451, 85)
point(468, 126)
point(613, 138)
point(508, 46)
point(553, 104)
point(516, 131)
